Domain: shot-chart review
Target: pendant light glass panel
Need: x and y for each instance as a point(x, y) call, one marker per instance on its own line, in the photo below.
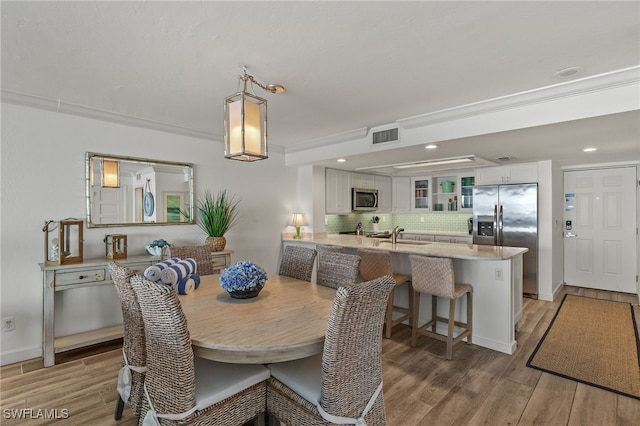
point(245, 127)
point(110, 173)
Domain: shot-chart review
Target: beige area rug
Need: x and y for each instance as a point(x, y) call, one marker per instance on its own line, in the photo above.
point(592, 341)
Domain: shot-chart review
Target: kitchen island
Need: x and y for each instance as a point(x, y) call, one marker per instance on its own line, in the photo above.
point(494, 272)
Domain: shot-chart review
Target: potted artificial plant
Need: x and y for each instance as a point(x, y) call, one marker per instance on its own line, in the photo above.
point(216, 214)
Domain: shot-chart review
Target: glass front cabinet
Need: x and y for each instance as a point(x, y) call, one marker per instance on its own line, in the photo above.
point(452, 193)
point(466, 192)
point(420, 194)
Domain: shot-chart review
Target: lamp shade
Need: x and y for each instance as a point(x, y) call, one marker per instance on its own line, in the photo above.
point(245, 127)
point(297, 219)
point(110, 173)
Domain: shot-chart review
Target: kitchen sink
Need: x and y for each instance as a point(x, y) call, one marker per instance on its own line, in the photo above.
point(380, 235)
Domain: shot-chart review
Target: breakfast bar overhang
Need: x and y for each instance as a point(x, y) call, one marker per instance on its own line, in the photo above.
point(495, 272)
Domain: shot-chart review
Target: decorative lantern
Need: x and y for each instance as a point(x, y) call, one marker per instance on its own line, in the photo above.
point(64, 246)
point(245, 122)
point(115, 246)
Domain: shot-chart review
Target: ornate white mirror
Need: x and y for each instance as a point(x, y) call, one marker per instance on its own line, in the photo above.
point(126, 191)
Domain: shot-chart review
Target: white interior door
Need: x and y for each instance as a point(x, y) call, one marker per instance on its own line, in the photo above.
point(600, 229)
point(105, 205)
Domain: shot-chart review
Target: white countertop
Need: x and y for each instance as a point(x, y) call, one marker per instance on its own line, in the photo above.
point(454, 251)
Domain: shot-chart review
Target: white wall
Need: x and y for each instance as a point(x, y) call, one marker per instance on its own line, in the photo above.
point(42, 178)
point(550, 240)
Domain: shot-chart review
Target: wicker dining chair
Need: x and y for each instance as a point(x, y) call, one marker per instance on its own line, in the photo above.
point(183, 389)
point(134, 350)
point(347, 377)
point(297, 262)
point(337, 269)
point(375, 264)
point(326, 248)
point(201, 254)
point(435, 276)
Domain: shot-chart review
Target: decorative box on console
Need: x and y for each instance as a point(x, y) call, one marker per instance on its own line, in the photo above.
point(115, 246)
point(63, 241)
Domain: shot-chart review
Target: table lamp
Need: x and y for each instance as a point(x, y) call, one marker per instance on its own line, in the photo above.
point(297, 220)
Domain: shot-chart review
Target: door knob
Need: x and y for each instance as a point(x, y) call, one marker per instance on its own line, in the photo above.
point(570, 235)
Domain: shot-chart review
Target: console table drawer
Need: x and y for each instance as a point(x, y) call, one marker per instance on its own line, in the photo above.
point(220, 262)
point(81, 277)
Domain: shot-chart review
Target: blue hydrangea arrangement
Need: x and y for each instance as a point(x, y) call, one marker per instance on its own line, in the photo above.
point(242, 276)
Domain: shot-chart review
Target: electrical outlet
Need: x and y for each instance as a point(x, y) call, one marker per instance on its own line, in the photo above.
point(422, 219)
point(8, 324)
point(384, 219)
point(499, 274)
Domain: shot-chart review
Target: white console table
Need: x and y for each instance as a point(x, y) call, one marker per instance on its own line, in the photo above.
point(90, 273)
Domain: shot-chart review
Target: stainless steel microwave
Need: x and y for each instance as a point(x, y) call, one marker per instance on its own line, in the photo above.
point(364, 199)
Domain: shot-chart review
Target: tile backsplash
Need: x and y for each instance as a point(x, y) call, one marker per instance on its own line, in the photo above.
point(449, 222)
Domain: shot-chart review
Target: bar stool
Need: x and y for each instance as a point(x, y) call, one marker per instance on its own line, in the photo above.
point(375, 264)
point(337, 269)
point(435, 276)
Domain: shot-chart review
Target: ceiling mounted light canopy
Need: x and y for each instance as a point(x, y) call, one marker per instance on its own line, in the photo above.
point(245, 122)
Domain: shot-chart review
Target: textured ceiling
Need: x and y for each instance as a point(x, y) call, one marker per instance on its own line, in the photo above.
point(345, 65)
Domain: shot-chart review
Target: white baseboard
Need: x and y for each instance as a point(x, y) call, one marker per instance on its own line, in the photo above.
point(19, 355)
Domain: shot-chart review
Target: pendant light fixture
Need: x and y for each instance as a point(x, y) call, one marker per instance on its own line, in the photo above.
point(245, 122)
point(110, 173)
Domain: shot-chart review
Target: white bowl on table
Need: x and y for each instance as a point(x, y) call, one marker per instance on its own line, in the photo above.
point(157, 251)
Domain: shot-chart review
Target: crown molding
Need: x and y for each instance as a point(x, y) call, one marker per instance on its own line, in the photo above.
point(328, 140)
point(57, 105)
point(607, 81)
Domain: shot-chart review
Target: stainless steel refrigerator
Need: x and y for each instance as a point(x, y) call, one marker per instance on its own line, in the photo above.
point(507, 215)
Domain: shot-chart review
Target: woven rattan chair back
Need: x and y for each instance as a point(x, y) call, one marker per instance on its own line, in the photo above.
point(201, 254)
point(352, 356)
point(329, 248)
point(337, 269)
point(133, 342)
point(374, 264)
point(170, 378)
point(297, 262)
point(433, 275)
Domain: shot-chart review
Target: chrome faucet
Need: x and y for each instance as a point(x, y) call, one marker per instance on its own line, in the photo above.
point(394, 234)
point(359, 228)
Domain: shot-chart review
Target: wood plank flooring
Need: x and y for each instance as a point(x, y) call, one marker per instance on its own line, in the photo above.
point(479, 386)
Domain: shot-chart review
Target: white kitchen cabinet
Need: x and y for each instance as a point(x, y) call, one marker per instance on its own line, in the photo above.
point(452, 239)
point(513, 173)
point(400, 194)
point(420, 193)
point(417, 237)
point(363, 180)
point(383, 185)
point(445, 193)
point(337, 191)
point(452, 193)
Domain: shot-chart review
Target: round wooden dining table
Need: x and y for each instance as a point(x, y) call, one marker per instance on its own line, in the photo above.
point(286, 321)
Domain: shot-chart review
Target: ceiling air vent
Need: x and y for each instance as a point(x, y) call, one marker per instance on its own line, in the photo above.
point(506, 158)
point(384, 136)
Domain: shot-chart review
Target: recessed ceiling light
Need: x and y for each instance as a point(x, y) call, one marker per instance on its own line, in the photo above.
point(431, 146)
point(341, 160)
point(589, 149)
point(568, 72)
